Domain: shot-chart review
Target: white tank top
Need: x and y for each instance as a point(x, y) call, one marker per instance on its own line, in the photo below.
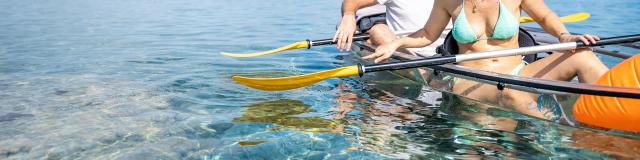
point(407, 15)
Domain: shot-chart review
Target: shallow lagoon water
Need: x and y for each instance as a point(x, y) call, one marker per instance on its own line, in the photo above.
point(143, 80)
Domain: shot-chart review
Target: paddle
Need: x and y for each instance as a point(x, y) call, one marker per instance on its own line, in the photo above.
point(576, 17)
point(298, 45)
point(363, 36)
point(286, 83)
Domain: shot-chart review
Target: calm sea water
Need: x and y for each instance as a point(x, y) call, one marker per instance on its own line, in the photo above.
point(142, 79)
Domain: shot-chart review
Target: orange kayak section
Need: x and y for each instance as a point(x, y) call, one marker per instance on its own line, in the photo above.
point(613, 112)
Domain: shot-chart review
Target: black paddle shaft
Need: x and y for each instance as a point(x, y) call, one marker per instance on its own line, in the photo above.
point(356, 37)
point(612, 40)
point(602, 42)
point(439, 60)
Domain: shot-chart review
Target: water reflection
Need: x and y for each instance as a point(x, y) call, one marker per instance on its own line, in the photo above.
point(282, 112)
point(377, 117)
point(286, 129)
point(411, 121)
point(476, 130)
point(615, 146)
point(138, 80)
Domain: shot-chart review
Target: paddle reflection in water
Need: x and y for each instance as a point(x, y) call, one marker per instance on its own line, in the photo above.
point(288, 129)
point(283, 113)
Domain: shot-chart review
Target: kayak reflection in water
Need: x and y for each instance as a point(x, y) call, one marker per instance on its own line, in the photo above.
point(493, 25)
point(482, 131)
point(475, 130)
point(391, 121)
point(377, 120)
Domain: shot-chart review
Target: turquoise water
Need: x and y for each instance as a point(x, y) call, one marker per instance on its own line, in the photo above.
point(142, 79)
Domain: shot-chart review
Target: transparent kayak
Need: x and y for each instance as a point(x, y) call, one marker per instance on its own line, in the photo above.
point(555, 99)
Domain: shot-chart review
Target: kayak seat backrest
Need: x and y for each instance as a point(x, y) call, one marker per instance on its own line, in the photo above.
point(365, 22)
point(450, 46)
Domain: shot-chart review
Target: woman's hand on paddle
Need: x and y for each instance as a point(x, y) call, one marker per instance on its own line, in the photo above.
point(585, 38)
point(383, 52)
point(344, 34)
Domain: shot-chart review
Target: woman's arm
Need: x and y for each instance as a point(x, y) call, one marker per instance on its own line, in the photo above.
point(438, 21)
point(551, 23)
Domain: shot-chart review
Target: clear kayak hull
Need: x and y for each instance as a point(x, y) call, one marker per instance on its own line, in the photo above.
point(554, 99)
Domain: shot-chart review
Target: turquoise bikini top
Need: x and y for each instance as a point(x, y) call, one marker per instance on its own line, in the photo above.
point(505, 28)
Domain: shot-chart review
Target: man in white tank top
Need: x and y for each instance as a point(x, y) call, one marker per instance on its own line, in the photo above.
point(402, 17)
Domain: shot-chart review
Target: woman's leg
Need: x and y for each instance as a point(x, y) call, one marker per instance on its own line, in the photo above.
point(565, 65)
point(517, 100)
point(558, 66)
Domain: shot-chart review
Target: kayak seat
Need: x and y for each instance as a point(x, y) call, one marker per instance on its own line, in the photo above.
point(365, 22)
point(450, 46)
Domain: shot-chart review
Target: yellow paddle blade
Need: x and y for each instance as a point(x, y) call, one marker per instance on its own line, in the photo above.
point(286, 83)
point(297, 45)
point(526, 20)
point(577, 17)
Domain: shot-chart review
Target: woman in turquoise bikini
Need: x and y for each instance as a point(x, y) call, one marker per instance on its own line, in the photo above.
point(484, 25)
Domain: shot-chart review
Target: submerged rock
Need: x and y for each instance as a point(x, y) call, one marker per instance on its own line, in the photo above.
point(220, 127)
point(250, 143)
point(213, 130)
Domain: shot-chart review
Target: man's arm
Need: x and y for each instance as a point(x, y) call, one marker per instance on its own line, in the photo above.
point(347, 27)
point(349, 7)
point(434, 27)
